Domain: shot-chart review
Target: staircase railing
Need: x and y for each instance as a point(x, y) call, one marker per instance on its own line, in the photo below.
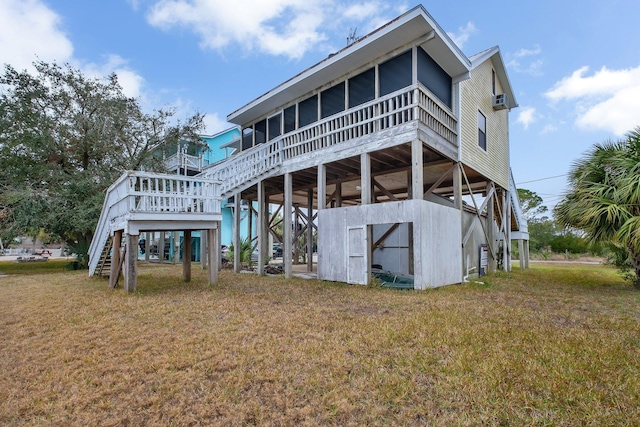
point(245, 166)
point(150, 193)
point(523, 227)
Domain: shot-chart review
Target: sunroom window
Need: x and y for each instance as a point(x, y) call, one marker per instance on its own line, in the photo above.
point(395, 74)
point(362, 88)
point(308, 111)
point(261, 132)
point(289, 119)
point(433, 77)
point(247, 138)
point(332, 100)
point(274, 126)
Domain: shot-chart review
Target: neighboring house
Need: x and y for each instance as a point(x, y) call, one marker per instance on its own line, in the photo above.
point(394, 152)
point(189, 160)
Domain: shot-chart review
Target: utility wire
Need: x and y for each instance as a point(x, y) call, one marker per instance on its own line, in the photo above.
point(542, 179)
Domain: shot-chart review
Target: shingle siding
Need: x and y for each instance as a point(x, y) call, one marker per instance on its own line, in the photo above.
point(476, 95)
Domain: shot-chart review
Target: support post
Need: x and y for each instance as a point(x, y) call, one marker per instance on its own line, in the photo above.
point(287, 229)
point(147, 245)
point(507, 233)
point(521, 253)
point(365, 179)
point(263, 237)
point(212, 253)
point(491, 227)
point(186, 256)
point(115, 259)
point(309, 230)
point(161, 247)
point(131, 263)
point(176, 247)
point(218, 245)
point(457, 203)
point(204, 244)
point(296, 236)
point(457, 187)
point(417, 173)
point(322, 186)
point(236, 232)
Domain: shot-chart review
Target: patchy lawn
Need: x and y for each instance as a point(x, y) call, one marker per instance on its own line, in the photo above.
point(554, 345)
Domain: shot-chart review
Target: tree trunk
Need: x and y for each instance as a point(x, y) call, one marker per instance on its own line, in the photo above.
point(635, 264)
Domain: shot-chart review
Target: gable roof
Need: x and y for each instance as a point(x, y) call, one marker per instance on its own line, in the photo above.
point(414, 25)
point(493, 53)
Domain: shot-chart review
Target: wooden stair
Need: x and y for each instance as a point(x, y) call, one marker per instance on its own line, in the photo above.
point(104, 266)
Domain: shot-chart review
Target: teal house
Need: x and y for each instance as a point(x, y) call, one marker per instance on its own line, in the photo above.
point(189, 160)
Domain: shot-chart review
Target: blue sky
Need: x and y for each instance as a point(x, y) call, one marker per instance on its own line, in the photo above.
point(574, 64)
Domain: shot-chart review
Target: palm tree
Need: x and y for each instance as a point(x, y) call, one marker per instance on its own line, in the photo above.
point(604, 196)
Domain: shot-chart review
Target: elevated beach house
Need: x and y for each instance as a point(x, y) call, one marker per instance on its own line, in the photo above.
point(391, 155)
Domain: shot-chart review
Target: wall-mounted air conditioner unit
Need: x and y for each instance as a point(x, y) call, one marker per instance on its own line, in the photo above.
point(500, 102)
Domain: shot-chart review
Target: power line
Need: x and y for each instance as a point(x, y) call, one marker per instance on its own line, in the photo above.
point(542, 179)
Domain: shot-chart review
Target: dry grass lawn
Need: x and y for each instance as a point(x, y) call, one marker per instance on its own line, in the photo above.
point(549, 346)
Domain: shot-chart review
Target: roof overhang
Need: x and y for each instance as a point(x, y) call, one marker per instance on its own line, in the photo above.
point(415, 26)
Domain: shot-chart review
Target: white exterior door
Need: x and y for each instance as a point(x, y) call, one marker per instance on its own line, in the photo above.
point(357, 255)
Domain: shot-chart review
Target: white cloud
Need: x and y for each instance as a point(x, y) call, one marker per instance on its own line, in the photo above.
point(607, 100)
point(463, 34)
point(214, 124)
point(30, 31)
point(521, 53)
point(526, 116)
point(523, 61)
point(361, 11)
point(278, 27)
point(130, 81)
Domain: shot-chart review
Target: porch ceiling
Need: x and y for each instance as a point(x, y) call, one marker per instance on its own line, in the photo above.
point(389, 168)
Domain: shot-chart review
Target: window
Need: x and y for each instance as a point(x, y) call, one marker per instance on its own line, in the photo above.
point(482, 131)
point(433, 77)
point(332, 100)
point(247, 138)
point(261, 132)
point(395, 74)
point(362, 88)
point(493, 82)
point(289, 119)
point(274, 126)
point(308, 111)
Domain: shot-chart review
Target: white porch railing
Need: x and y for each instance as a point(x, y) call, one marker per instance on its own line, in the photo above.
point(412, 103)
point(415, 102)
point(148, 193)
point(185, 161)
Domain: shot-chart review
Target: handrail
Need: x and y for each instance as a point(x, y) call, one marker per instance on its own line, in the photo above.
point(405, 105)
point(142, 192)
point(523, 226)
